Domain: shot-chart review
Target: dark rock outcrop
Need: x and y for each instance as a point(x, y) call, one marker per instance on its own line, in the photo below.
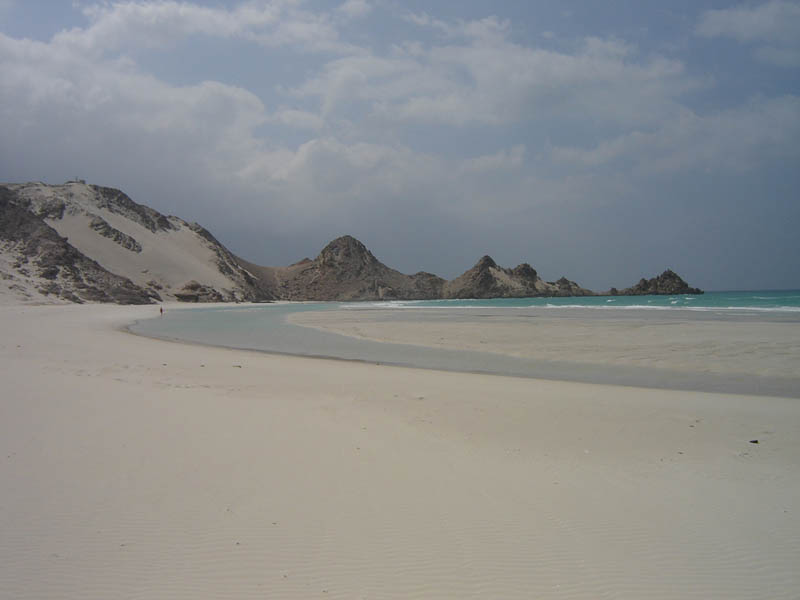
point(193, 291)
point(668, 283)
point(117, 202)
point(103, 228)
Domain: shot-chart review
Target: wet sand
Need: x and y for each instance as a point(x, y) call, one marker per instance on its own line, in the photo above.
point(704, 351)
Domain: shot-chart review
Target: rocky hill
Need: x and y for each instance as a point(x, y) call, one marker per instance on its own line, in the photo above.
point(667, 283)
point(37, 262)
point(346, 270)
point(488, 280)
point(160, 257)
point(78, 243)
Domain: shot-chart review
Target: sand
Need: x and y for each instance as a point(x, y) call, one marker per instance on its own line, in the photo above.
point(757, 344)
point(139, 468)
point(167, 259)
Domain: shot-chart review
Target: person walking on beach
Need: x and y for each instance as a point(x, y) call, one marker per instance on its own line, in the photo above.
point(161, 309)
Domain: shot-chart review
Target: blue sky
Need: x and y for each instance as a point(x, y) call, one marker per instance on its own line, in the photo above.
point(603, 141)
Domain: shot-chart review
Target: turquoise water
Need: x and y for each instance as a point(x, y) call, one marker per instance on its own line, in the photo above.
point(750, 301)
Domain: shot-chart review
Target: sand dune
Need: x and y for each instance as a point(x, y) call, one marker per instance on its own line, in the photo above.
point(160, 254)
point(132, 467)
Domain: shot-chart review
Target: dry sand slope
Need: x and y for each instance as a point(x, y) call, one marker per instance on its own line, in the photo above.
point(136, 468)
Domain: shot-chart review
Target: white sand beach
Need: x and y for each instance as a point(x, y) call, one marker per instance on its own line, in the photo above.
point(681, 341)
point(140, 468)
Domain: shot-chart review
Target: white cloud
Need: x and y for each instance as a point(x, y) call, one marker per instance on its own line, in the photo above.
point(503, 160)
point(81, 102)
point(327, 181)
point(484, 79)
point(69, 107)
point(774, 20)
point(298, 119)
point(425, 20)
point(773, 26)
point(487, 29)
point(354, 9)
point(130, 25)
point(487, 79)
point(734, 140)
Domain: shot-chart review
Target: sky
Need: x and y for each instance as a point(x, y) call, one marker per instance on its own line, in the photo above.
point(601, 141)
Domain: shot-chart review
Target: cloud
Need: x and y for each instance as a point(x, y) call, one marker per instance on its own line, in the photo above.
point(774, 20)
point(66, 107)
point(499, 161)
point(487, 29)
point(459, 128)
point(734, 140)
point(486, 79)
point(475, 77)
point(125, 26)
point(773, 27)
point(298, 119)
point(355, 9)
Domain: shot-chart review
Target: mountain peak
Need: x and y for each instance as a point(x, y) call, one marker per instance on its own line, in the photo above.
point(346, 250)
point(347, 270)
point(485, 262)
point(525, 271)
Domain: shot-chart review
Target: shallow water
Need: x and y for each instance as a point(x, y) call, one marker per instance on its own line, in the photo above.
point(265, 328)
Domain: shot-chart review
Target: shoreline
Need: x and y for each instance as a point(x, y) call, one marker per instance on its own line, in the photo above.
point(411, 338)
point(137, 468)
point(639, 378)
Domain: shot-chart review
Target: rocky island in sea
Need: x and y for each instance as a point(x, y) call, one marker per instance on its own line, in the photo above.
point(85, 243)
point(667, 283)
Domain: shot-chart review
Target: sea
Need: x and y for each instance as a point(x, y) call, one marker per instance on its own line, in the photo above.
point(761, 301)
point(266, 328)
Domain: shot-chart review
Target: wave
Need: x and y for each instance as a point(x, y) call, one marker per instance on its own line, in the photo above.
point(674, 304)
point(792, 309)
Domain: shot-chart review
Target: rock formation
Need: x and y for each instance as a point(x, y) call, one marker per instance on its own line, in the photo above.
point(78, 242)
point(667, 283)
point(488, 280)
point(106, 230)
point(196, 292)
point(346, 270)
